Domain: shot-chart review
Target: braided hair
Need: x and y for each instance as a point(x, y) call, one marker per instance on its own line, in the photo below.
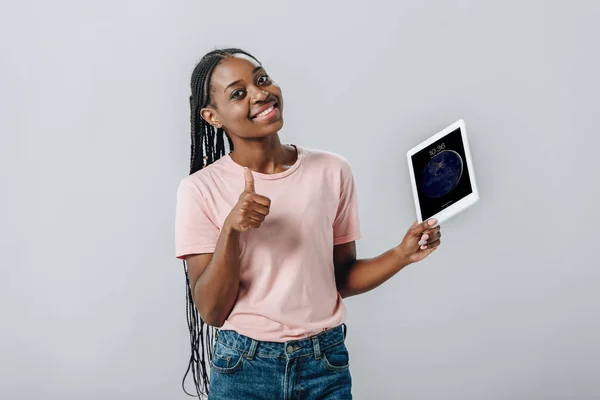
point(208, 145)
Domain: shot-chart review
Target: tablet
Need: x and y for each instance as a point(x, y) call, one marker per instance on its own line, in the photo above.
point(441, 174)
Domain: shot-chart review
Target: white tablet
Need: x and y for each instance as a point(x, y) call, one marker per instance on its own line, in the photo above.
point(441, 174)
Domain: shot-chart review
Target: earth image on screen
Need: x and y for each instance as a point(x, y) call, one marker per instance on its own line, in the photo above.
point(441, 174)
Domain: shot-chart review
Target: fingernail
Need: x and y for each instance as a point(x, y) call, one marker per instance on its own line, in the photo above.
point(423, 247)
point(425, 237)
point(432, 221)
point(422, 242)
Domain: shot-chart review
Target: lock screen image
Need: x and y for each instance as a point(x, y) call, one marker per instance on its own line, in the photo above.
point(441, 174)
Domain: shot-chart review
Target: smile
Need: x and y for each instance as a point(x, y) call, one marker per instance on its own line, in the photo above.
point(268, 113)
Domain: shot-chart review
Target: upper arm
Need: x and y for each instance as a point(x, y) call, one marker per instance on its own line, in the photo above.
point(346, 224)
point(344, 256)
point(196, 231)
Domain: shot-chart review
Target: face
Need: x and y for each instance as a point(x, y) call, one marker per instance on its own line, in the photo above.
point(246, 102)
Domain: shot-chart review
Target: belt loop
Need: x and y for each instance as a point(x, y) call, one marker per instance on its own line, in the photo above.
point(252, 350)
point(316, 347)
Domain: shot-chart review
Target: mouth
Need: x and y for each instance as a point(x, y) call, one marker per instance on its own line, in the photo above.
point(266, 112)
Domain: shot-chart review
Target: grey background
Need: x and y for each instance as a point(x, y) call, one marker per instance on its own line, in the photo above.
point(95, 126)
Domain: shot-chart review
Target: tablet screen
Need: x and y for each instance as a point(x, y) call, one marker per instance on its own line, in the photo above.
point(441, 174)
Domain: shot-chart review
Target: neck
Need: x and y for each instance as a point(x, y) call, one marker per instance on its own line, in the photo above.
point(265, 155)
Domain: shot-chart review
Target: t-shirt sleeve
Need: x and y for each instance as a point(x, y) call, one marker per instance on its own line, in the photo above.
point(195, 231)
point(346, 226)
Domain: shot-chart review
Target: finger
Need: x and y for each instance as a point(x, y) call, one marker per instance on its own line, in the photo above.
point(259, 208)
point(250, 223)
point(428, 234)
point(433, 238)
point(265, 201)
point(255, 216)
point(249, 179)
point(431, 246)
point(419, 229)
point(432, 231)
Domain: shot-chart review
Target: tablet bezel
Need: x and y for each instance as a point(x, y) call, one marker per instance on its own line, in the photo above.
point(463, 203)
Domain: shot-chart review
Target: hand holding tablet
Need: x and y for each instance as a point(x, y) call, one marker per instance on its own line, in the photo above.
point(421, 240)
point(441, 174)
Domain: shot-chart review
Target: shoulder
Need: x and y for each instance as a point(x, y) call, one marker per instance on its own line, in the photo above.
point(327, 160)
point(202, 180)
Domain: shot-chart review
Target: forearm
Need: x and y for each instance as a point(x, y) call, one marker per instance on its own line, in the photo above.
point(366, 274)
point(217, 288)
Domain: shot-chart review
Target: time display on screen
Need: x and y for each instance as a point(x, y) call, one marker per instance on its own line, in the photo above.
point(437, 149)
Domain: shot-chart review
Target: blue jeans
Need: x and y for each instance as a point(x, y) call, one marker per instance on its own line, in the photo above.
point(313, 368)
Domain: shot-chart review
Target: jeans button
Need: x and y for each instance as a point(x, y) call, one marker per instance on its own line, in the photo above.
point(290, 349)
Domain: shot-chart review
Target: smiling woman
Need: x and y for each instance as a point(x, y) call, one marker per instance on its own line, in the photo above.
point(238, 79)
point(266, 232)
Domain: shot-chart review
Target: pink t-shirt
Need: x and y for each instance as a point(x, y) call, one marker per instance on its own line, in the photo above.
point(287, 282)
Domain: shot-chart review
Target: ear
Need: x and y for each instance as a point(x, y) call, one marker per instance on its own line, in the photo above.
point(211, 116)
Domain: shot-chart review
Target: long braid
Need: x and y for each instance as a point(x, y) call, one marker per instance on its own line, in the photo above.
point(207, 146)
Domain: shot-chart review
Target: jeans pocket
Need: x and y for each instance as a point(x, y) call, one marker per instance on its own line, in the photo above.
point(336, 358)
point(226, 359)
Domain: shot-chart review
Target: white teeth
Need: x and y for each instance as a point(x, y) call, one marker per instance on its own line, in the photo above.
point(268, 110)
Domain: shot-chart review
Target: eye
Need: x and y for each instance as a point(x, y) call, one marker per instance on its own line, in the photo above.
point(264, 80)
point(237, 94)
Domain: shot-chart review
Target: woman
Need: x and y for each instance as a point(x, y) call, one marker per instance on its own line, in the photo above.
point(267, 233)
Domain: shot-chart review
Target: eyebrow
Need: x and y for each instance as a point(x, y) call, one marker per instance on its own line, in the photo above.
point(238, 81)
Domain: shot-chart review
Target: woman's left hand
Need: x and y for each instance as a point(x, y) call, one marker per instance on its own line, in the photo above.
point(420, 241)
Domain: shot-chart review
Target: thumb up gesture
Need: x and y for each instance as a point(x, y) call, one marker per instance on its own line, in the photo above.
point(251, 209)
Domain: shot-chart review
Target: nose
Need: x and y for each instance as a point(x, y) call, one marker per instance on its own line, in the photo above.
point(259, 95)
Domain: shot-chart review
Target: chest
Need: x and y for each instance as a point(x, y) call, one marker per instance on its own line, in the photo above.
point(294, 206)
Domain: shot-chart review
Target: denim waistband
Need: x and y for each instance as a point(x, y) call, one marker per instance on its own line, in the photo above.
point(289, 349)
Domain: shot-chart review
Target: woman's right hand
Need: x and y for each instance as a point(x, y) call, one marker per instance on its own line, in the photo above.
point(251, 209)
